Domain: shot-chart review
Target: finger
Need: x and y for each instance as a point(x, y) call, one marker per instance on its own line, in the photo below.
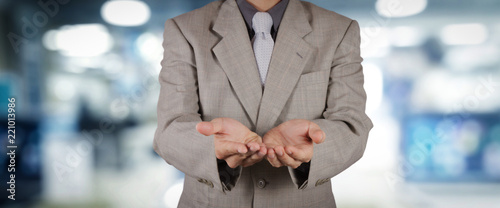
point(253, 147)
point(256, 157)
point(252, 159)
point(279, 150)
point(315, 133)
point(226, 149)
point(300, 154)
point(263, 150)
point(273, 160)
point(209, 128)
point(205, 128)
point(234, 161)
point(285, 159)
point(217, 124)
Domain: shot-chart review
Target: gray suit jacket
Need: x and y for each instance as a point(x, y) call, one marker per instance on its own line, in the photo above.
point(209, 71)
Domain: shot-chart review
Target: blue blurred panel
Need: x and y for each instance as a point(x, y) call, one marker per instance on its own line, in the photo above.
point(452, 148)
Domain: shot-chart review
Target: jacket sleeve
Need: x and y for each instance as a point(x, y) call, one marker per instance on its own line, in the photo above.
point(176, 139)
point(344, 120)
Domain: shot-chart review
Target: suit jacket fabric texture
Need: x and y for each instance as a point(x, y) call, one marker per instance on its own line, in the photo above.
point(209, 71)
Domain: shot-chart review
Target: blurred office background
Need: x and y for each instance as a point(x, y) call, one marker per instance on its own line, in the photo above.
point(84, 75)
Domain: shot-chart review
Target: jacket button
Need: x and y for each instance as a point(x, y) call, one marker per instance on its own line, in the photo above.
point(209, 183)
point(321, 181)
point(261, 183)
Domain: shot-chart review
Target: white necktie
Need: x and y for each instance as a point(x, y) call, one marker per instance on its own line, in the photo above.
point(263, 42)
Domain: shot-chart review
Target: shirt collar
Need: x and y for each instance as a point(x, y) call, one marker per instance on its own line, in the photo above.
point(248, 11)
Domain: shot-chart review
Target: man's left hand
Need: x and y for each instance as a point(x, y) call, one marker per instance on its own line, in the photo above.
point(291, 143)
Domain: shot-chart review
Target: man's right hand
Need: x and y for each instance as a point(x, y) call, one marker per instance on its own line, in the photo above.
point(234, 142)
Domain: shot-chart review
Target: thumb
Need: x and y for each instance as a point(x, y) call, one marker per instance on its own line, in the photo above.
point(205, 128)
point(316, 134)
point(209, 128)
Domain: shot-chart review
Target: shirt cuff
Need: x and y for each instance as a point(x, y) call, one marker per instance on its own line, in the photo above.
point(228, 176)
point(302, 173)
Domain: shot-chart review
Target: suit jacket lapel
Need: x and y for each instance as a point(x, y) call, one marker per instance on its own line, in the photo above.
point(235, 54)
point(290, 55)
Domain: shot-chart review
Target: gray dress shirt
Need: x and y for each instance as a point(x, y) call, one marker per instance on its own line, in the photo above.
point(248, 11)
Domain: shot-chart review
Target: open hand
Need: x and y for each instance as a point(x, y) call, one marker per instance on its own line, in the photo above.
point(234, 142)
point(291, 143)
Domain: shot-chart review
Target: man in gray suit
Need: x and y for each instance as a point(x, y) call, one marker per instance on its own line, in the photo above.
point(218, 119)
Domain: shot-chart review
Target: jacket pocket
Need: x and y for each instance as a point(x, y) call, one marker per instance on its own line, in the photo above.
point(313, 78)
point(308, 99)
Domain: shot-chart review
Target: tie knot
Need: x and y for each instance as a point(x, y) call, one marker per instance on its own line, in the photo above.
point(262, 22)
